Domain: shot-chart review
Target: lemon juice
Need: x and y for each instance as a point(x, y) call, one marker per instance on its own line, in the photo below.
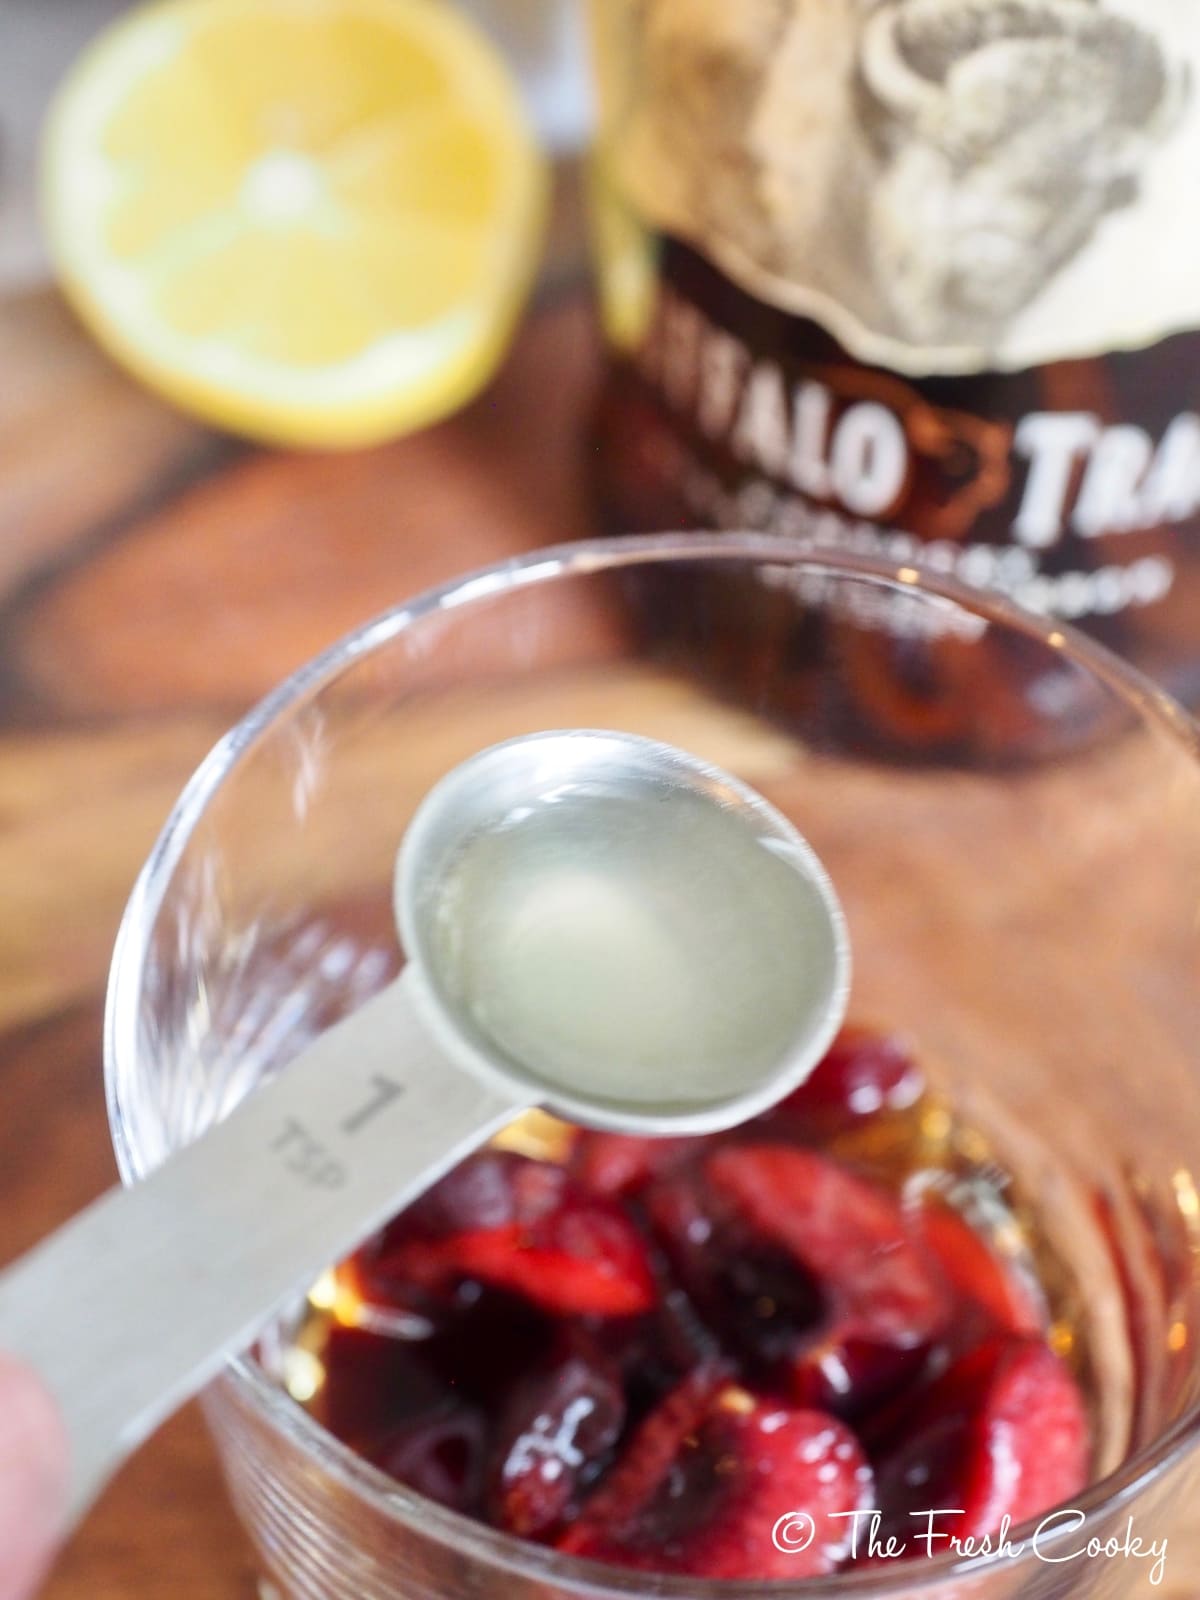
point(649, 948)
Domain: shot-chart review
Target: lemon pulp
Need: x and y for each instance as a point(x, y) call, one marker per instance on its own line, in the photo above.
point(309, 220)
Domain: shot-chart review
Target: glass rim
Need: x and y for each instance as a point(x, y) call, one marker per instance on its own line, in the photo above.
point(505, 1552)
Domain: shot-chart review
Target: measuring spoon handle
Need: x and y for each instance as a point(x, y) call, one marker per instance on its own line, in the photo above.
point(131, 1306)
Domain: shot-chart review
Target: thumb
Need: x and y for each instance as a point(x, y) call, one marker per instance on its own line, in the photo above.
point(33, 1479)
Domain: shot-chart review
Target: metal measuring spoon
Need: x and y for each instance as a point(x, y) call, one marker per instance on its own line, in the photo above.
point(550, 931)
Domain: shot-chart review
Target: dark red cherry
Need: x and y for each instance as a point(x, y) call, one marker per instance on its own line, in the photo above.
point(1003, 1432)
point(863, 1072)
point(619, 1164)
point(554, 1439)
point(759, 1302)
point(706, 1480)
point(519, 1225)
point(805, 1270)
point(439, 1454)
point(973, 1270)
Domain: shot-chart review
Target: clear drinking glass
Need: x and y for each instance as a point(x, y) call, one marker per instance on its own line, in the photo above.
point(1027, 913)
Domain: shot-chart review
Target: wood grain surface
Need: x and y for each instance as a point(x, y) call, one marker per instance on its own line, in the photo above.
point(155, 580)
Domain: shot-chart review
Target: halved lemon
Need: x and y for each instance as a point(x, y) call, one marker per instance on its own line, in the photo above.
point(309, 221)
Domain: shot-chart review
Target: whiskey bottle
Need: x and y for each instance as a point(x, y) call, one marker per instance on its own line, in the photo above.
point(920, 279)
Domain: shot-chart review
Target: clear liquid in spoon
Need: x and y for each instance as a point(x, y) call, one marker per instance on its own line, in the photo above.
point(647, 947)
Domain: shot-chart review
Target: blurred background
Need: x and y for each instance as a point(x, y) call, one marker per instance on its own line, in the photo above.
point(544, 39)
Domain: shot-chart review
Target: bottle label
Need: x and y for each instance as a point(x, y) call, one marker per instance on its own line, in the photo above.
point(945, 185)
point(912, 277)
point(1028, 482)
